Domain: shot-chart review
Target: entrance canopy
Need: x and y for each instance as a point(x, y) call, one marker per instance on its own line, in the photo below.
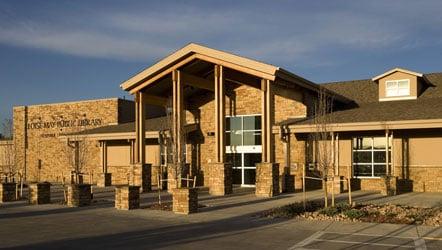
point(196, 65)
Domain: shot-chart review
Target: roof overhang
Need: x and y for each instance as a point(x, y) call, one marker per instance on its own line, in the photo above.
point(396, 70)
point(369, 126)
point(195, 51)
point(121, 135)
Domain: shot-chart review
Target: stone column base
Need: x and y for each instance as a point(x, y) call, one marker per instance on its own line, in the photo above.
point(140, 175)
point(172, 176)
point(127, 197)
point(7, 192)
point(220, 179)
point(267, 179)
point(79, 195)
point(104, 180)
point(185, 200)
point(286, 183)
point(389, 185)
point(338, 185)
point(40, 193)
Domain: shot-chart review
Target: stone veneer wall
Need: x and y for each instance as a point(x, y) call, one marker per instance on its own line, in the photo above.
point(246, 100)
point(37, 129)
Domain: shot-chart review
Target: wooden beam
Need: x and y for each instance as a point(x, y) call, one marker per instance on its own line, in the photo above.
point(197, 82)
point(163, 74)
point(156, 100)
point(250, 71)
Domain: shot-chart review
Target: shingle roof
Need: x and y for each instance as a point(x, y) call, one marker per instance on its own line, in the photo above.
point(368, 109)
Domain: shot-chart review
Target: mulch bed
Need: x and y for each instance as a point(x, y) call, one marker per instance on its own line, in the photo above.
point(387, 213)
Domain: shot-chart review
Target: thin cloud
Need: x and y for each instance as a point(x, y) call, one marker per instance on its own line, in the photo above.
point(290, 37)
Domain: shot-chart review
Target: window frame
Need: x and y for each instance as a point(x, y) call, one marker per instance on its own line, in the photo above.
point(227, 132)
point(372, 164)
point(396, 82)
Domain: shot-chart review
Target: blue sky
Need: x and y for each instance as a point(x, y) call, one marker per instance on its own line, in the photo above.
point(52, 51)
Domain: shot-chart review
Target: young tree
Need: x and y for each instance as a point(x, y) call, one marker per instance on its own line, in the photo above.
point(76, 152)
point(321, 137)
point(175, 144)
point(9, 151)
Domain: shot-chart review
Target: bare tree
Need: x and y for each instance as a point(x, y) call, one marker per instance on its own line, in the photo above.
point(9, 152)
point(321, 137)
point(77, 153)
point(175, 144)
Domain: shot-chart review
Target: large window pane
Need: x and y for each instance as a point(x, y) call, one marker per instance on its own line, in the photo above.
point(237, 176)
point(362, 157)
point(250, 159)
point(379, 157)
point(234, 159)
point(252, 138)
point(249, 176)
point(379, 142)
point(362, 143)
point(379, 170)
point(362, 170)
point(233, 123)
point(234, 139)
point(252, 122)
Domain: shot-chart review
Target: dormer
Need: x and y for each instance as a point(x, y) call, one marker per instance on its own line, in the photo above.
point(399, 84)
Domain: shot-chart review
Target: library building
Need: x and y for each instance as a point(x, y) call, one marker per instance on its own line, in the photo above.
point(224, 120)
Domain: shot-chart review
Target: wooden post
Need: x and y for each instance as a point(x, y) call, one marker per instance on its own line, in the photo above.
point(220, 114)
point(324, 186)
point(303, 187)
point(264, 120)
point(194, 181)
point(188, 180)
point(349, 185)
point(142, 134)
point(392, 171)
point(159, 188)
point(387, 160)
point(333, 191)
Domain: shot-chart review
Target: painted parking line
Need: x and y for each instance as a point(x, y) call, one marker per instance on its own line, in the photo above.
point(355, 239)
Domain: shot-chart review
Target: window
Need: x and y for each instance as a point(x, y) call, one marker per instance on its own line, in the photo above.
point(243, 130)
point(397, 88)
point(369, 156)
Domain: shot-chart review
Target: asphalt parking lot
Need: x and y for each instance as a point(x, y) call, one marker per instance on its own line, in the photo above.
point(224, 223)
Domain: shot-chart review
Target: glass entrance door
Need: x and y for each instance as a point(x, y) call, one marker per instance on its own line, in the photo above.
point(243, 150)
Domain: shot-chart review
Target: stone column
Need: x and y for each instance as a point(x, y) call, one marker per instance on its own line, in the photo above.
point(79, 195)
point(7, 192)
point(221, 179)
point(267, 179)
point(185, 200)
point(40, 193)
point(127, 197)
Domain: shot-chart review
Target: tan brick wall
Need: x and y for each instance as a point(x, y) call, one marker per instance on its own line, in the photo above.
point(38, 129)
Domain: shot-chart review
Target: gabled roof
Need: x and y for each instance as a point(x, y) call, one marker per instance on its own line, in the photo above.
point(396, 70)
point(196, 51)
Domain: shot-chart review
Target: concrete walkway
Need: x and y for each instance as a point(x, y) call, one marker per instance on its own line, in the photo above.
point(224, 223)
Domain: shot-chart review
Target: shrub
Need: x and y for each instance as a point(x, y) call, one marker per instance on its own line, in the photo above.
point(354, 213)
point(329, 211)
point(343, 206)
